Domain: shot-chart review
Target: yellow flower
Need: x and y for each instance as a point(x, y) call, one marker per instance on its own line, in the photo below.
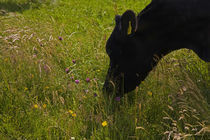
point(25, 88)
point(46, 87)
point(104, 123)
point(44, 105)
point(74, 115)
point(71, 112)
point(35, 106)
point(149, 93)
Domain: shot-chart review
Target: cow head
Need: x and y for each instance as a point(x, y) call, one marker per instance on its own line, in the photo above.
point(122, 75)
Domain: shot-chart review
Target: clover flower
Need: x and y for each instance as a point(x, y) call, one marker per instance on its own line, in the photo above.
point(87, 80)
point(34, 56)
point(67, 70)
point(117, 99)
point(60, 38)
point(74, 61)
point(77, 81)
point(47, 68)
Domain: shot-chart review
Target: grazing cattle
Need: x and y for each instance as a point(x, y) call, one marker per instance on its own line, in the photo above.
point(163, 26)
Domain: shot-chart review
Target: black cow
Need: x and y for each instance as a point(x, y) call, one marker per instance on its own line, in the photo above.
point(163, 26)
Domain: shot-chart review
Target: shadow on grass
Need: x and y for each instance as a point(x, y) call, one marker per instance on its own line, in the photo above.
point(11, 6)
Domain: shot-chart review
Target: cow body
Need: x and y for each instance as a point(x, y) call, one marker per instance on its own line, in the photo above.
point(163, 26)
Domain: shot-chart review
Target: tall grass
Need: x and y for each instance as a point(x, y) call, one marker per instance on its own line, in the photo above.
point(50, 50)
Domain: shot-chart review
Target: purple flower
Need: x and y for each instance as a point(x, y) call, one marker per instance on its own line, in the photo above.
point(60, 38)
point(73, 61)
point(67, 70)
point(117, 99)
point(34, 55)
point(87, 80)
point(77, 81)
point(46, 68)
point(95, 95)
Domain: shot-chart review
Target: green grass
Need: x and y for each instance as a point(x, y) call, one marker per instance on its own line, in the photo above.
point(39, 100)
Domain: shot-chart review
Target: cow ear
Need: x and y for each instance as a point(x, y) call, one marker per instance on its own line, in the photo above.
point(128, 23)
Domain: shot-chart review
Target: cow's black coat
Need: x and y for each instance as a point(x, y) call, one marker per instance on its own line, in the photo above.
point(163, 26)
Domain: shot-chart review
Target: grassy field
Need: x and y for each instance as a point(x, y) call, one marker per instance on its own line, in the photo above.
point(53, 65)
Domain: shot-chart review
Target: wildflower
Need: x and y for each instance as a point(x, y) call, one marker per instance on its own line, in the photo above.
point(86, 91)
point(46, 87)
point(74, 115)
point(46, 68)
point(117, 99)
point(67, 70)
point(72, 77)
point(32, 76)
point(44, 105)
point(72, 138)
point(73, 61)
point(35, 106)
point(184, 88)
point(87, 80)
point(60, 38)
point(77, 81)
point(104, 123)
point(95, 95)
point(149, 93)
point(98, 70)
point(71, 112)
point(34, 55)
point(25, 89)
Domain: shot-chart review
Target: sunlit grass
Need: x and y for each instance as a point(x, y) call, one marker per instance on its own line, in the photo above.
point(53, 65)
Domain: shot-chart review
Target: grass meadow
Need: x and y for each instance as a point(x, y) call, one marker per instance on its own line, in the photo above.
point(53, 65)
